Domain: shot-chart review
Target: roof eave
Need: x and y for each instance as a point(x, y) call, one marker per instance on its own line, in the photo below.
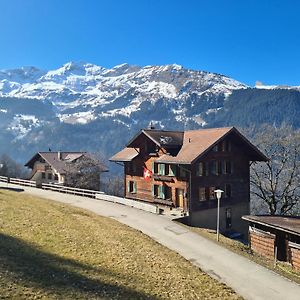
point(249, 219)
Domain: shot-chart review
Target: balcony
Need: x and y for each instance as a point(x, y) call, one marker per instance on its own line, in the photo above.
point(163, 178)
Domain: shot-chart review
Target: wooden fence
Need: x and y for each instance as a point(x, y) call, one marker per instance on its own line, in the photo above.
point(82, 192)
point(70, 190)
point(18, 181)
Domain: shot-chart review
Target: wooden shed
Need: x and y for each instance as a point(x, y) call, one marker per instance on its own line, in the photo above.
point(276, 237)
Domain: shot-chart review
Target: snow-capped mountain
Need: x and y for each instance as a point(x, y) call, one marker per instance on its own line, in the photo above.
point(82, 92)
point(82, 106)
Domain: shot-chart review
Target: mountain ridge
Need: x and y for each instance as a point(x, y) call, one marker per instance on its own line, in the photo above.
point(83, 106)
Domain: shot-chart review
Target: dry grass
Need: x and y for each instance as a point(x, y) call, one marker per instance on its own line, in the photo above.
point(281, 268)
point(53, 251)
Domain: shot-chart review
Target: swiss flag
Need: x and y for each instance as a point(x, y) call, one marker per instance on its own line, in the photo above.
point(147, 174)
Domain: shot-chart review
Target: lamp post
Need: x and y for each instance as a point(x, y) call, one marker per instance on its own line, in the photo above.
point(218, 195)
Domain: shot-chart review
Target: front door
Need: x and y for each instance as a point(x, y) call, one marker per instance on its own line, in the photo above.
point(180, 198)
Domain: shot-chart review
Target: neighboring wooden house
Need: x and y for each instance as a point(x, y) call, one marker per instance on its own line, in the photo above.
point(183, 169)
point(276, 237)
point(58, 167)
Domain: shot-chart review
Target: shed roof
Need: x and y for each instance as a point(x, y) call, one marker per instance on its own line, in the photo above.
point(283, 223)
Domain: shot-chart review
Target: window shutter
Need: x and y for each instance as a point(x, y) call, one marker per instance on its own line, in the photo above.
point(134, 187)
point(163, 188)
point(172, 170)
point(128, 186)
point(162, 169)
point(153, 193)
point(153, 168)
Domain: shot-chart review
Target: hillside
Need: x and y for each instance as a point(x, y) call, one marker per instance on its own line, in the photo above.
point(75, 254)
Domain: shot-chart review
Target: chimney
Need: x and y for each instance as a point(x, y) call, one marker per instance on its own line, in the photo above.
point(59, 155)
point(151, 126)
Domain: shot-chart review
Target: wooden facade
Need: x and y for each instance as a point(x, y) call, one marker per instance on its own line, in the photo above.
point(186, 173)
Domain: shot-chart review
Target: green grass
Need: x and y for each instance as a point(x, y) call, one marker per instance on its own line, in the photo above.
point(282, 268)
point(53, 251)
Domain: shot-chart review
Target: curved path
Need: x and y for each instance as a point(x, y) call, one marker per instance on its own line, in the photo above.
point(247, 278)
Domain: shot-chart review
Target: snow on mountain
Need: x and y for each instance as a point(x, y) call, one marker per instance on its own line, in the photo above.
point(80, 93)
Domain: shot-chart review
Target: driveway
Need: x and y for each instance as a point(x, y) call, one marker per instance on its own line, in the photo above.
point(247, 278)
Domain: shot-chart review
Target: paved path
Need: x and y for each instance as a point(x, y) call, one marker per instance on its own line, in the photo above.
point(247, 278)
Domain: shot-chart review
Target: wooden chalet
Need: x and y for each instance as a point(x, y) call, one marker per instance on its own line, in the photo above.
point(184, 168)
point(54, 167)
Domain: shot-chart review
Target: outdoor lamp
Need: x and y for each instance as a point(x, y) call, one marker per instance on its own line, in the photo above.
point(218, 195)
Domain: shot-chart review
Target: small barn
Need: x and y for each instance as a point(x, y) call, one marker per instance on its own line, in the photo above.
point(275, 237)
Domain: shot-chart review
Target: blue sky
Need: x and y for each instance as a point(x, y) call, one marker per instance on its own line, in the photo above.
point(247, 40)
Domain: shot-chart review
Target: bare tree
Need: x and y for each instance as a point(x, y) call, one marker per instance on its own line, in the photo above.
point(277, 182)
point(11, 168)
point(85, 172)
point(115, 186)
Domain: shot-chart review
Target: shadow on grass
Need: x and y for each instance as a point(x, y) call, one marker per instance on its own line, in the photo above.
point(17, 190)
point(66, 278)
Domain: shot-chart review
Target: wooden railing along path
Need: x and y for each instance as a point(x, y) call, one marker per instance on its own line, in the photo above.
point(83, 192)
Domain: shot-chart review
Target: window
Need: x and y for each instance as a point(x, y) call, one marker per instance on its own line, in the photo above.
point(55, 177)
point(161, 191)
point(43, 175)
point(165, 169)
point(168, 170)
point(226, 146)
point(155, 190)
point(182, 172)
point(228, 218)
point(49, 176)
point(155, 168)
point(227, 190)
point(212, 195)
point(213, 167)
point(220, 168)
point(200, 169)
point(202, 194)
point(228, 167)
point(218, 147)
point(131, 187)
point(161, 169)
point(168, 192)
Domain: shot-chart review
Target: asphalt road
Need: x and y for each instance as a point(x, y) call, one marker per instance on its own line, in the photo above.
point(247, 278)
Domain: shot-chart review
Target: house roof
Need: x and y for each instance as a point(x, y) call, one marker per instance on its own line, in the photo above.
point(162, 138)
point(192, 144)
point(52, 158)
point(127, 154)
point(284, 223)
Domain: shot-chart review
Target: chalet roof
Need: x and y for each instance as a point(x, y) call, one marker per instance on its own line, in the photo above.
point(52, 158)
point(162, 138)
point(127, 154)
point(195, 143)
point(283, 223)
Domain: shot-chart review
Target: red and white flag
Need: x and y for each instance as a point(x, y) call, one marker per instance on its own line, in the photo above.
point(147, 174)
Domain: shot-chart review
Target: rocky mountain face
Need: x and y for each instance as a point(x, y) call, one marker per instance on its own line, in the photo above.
point(82, 106)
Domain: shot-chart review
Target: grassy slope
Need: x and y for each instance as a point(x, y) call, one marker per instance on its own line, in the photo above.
point(53, 251)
